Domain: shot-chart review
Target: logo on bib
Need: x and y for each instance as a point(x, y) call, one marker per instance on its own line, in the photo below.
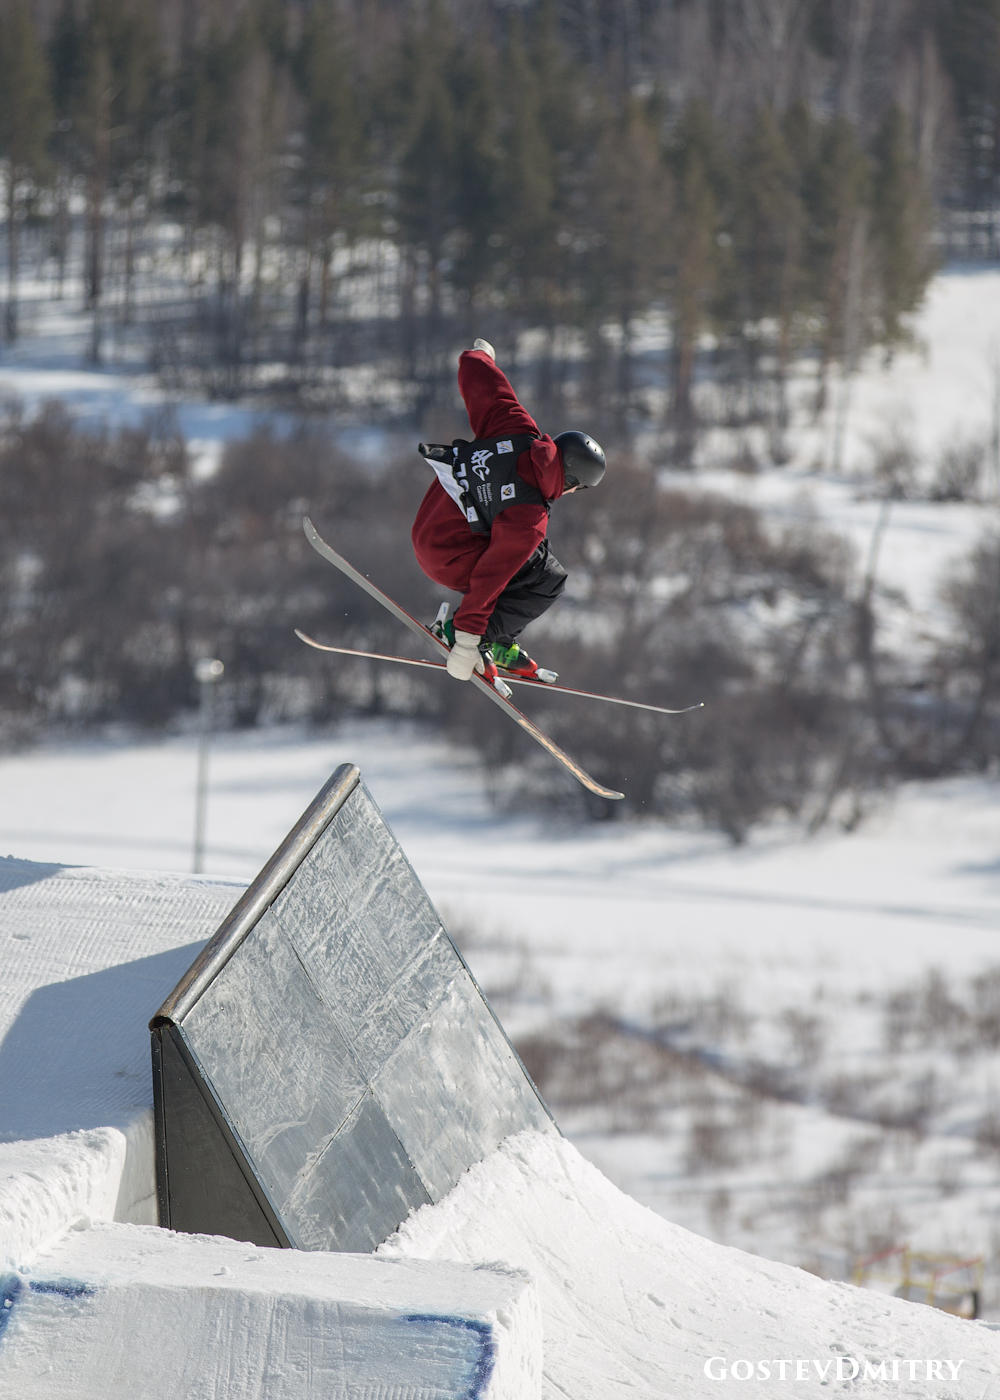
point(506, 446)
point(479, 463)
point(507, 493)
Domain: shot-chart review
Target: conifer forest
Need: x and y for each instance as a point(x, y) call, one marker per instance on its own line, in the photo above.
point(313, 206)
point(282, 197)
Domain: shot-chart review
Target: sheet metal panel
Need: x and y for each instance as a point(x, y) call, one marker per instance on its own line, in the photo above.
point(349, 1055)
point(273, 1053)
point(453, 1089)
point(365, 929)
point(358, 1191)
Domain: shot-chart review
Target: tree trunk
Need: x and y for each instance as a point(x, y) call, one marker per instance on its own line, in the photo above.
point(852, 335)
point(786, 306)
point(685, 346)
point(13, 254)
point(625, 372)
point(97, 184)
point(129, 257)
point(302, 303)
point(324, 284)
point(63, 232)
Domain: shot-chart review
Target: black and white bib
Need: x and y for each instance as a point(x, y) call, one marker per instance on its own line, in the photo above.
point(481, 476)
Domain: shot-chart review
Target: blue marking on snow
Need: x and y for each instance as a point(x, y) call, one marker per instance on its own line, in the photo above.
point(11, 1288)
point(485, 1358)
point(66, 1287)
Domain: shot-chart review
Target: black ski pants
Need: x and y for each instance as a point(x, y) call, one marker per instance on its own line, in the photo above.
point(532, 591)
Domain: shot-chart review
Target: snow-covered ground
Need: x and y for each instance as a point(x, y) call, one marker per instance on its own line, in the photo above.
point(784, 955)
point(812, 1021)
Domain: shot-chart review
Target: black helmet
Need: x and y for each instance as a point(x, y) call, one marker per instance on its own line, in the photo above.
point(584, 462)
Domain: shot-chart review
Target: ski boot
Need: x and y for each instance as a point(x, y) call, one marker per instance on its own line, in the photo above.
point(490, 673)
point(515, 661)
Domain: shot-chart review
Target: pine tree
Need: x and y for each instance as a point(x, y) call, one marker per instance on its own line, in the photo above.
point(968, 33)
point(478, 173)
point(768, 247)
point(25, 118)
point(331, 153)
point(138, 73)
point(227, 155)
point(113, 102)
point(528, 183)
point(837, 189)
point(66, 73)
point(571, 123)
point(702, 280)
point(426, 126)
point(901, 227)
point(632, 202)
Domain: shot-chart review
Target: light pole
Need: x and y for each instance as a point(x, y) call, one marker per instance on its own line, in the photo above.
point(207, 673)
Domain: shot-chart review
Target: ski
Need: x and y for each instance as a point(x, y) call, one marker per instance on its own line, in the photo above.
point(505, 675)
point(419, 630)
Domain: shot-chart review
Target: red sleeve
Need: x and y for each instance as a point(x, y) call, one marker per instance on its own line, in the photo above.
point(517, 532)
point(491, 403)
point(543, 467)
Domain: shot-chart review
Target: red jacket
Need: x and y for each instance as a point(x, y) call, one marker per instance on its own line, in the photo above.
point(481, 566)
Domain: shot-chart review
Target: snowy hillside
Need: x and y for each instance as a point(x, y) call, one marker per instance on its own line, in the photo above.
point(793, 1047)
point(776, 1107)
point(555, 922)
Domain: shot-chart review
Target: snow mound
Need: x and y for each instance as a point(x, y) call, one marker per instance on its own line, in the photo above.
point(634, 1305)
point(124, 1311)
point(88, 956)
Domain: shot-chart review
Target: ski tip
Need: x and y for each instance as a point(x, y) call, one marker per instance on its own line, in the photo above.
point(312, 534)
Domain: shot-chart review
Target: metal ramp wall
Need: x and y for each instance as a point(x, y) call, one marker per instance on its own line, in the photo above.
point(328, 1062)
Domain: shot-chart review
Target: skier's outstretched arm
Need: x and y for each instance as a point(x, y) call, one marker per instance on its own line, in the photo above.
point(491, 403)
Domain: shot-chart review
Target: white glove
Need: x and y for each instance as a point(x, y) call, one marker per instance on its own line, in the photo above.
point(464, 657)
point(486, 347)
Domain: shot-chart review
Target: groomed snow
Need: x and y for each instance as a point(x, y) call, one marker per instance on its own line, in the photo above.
point(636, 1306)
point(88, 957)
point(123, 1312)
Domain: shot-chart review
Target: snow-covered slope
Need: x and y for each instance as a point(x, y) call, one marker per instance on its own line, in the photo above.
point(635, 1306)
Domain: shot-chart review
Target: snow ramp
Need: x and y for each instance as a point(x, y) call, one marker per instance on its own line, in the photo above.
point(328, 1063)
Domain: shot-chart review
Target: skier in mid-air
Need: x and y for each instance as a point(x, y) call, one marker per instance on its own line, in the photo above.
point(481, 527)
